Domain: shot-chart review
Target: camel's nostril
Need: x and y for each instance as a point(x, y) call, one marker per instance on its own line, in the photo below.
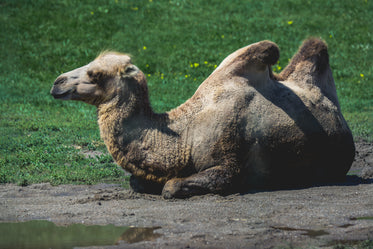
point(60, 80)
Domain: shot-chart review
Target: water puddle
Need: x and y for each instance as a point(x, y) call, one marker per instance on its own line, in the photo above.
point(307, 232)
point(45, 234)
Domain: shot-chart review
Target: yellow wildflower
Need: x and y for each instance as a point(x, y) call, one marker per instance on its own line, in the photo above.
point(196, 64)
point(362, 75)
point(144, 47)
point(290, 22)
point(206, 62)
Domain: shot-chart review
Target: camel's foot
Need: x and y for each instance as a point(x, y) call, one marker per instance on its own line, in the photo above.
point(218, 180)
point(182, 188)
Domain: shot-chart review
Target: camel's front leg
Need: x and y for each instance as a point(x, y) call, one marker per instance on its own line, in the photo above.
point(218, 180)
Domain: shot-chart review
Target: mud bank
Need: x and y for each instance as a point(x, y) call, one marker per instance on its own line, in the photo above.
point(320, 216)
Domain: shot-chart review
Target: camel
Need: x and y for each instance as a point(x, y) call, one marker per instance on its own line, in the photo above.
point(244, 128)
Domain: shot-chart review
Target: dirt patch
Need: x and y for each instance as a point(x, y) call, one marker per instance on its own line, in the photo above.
point(320, 216)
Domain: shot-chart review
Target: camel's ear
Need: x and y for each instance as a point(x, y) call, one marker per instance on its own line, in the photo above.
point(129, 71)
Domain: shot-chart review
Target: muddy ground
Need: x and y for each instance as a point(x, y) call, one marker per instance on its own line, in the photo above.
point(320, 216)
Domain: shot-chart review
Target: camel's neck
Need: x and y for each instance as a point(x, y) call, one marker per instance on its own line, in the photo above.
point(122, 127)
point(117, 122)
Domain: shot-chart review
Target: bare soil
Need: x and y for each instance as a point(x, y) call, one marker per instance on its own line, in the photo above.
point(319, 216)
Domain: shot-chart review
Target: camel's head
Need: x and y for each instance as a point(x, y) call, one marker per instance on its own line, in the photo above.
point(110, 75)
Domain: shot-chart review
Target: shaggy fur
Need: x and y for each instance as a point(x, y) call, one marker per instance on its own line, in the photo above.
point(245, 127)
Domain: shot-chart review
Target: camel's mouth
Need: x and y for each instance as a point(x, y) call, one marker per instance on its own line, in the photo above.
point(61, 95)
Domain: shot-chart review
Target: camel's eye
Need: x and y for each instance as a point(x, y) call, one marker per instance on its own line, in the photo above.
point(129, 69)
point(90, 74)
point(95, 76)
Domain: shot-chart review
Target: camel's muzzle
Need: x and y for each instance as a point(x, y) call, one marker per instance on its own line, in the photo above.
point(59, 94)
point(59, 90)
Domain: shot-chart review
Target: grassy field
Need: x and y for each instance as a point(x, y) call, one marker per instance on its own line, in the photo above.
point(177, 43)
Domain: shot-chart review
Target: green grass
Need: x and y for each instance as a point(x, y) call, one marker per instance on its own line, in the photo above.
point(177, 44)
